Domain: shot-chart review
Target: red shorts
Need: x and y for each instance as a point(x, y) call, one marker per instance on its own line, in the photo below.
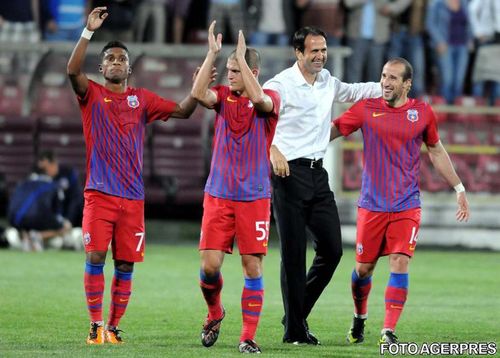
point(224, 220)
point(381, 233)
point(119, 221)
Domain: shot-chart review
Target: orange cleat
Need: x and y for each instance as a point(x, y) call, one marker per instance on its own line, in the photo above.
point(113, 336)
point(96, 334)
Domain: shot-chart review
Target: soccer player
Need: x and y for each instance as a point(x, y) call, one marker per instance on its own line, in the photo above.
point(394, 127)
point(114, 120)
point(237, 192)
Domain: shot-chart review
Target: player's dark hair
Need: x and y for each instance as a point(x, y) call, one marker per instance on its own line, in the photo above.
point(46, 155)
point(252, 57)
point(408, 72)
point(299, 38)
point(112, 44)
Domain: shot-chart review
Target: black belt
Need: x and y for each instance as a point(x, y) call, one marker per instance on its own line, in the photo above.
point(311, 163)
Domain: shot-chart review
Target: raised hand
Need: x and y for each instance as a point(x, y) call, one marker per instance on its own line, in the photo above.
point(214, 43)
point(241, 48)
point(96, 18)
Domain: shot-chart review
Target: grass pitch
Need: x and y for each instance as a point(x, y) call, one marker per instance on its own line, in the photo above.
point(454, 297)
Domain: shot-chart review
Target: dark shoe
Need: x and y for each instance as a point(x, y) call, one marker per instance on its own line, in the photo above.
point(388, 337)
point(249, 346)
point(310, 336)
point(210, 331)
point(308, 339)
point(356, 333)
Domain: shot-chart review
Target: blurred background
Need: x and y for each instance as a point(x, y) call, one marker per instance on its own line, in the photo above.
point(454, 46)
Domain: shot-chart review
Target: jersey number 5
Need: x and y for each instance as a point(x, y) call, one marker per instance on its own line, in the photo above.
point(262, 228)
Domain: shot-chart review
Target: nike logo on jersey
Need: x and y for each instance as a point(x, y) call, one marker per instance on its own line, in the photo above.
point(107, 100)
point(123, 299)
point(254, 305)
point(376, 114)
point(93, 300)
point(229, 99)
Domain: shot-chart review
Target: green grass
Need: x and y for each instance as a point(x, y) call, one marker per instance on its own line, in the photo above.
point(454, 296)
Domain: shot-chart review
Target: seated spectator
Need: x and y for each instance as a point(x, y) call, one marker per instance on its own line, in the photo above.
point(67, 181)
point(34, 210)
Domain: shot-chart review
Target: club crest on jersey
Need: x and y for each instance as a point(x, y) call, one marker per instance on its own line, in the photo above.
point(412, 115)
point(359, 248)
point(86, 238)
point(133, 102)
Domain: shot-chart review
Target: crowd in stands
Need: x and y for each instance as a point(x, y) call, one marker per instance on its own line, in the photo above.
point(439, 37)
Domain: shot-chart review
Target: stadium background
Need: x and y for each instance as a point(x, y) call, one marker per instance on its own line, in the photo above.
point(38, 111)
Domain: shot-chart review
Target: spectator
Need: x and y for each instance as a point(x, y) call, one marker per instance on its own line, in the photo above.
point(407, 40)
point(273, 22)
point(228, 13)
point(154, 13)
point(368, 30)
point(66, 19)
point(447, 23)
point(67, 180)
point(19, 21)
point(328, 15)
point(118, 25)
point(35, 211)
point(483, 17)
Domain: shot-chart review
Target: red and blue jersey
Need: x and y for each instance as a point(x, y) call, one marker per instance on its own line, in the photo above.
point(241, 169)
point(392, 138)
point(114, 128)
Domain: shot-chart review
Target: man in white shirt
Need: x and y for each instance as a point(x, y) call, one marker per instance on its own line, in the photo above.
point(302, 198)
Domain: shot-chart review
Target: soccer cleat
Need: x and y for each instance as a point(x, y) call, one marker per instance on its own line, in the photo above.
point(210, 331)
point(356, 333)
point(388, 337)
point(96, 334)
point(249, 346)
point(112, 335)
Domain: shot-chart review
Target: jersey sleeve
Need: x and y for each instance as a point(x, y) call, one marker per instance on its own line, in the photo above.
point(351, 120)
point(275, 98)
point(92, 87)
point(219, 91)
point(157, 108)
point(431, 135)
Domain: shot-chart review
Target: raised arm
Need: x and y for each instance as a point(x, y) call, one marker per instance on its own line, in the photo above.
point(441, 161)
point(261, 101)
point(200, 90)
point(79, 80)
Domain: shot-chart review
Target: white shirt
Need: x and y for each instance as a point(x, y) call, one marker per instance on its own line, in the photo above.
point(303, 129)
point(482, 17)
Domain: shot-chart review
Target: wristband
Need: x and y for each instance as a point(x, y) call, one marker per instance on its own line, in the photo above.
point(87, 34)
point(459, 188)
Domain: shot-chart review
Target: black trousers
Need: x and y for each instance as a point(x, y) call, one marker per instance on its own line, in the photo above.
point(303, 201)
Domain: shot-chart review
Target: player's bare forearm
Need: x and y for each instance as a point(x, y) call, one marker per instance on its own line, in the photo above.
point(260, 100)
point(200, 90)
point(74, 68)
point(441, 161)
point(186, 108)
point(79, 81)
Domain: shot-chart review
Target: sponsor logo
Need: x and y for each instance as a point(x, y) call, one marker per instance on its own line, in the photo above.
point(229, 99)
point(397, 307)
point(377, 114)
point(412, 115)
point(254, 305)
point(123, 299)
point(133, 101)
point(107, 100)
point(93, 300)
